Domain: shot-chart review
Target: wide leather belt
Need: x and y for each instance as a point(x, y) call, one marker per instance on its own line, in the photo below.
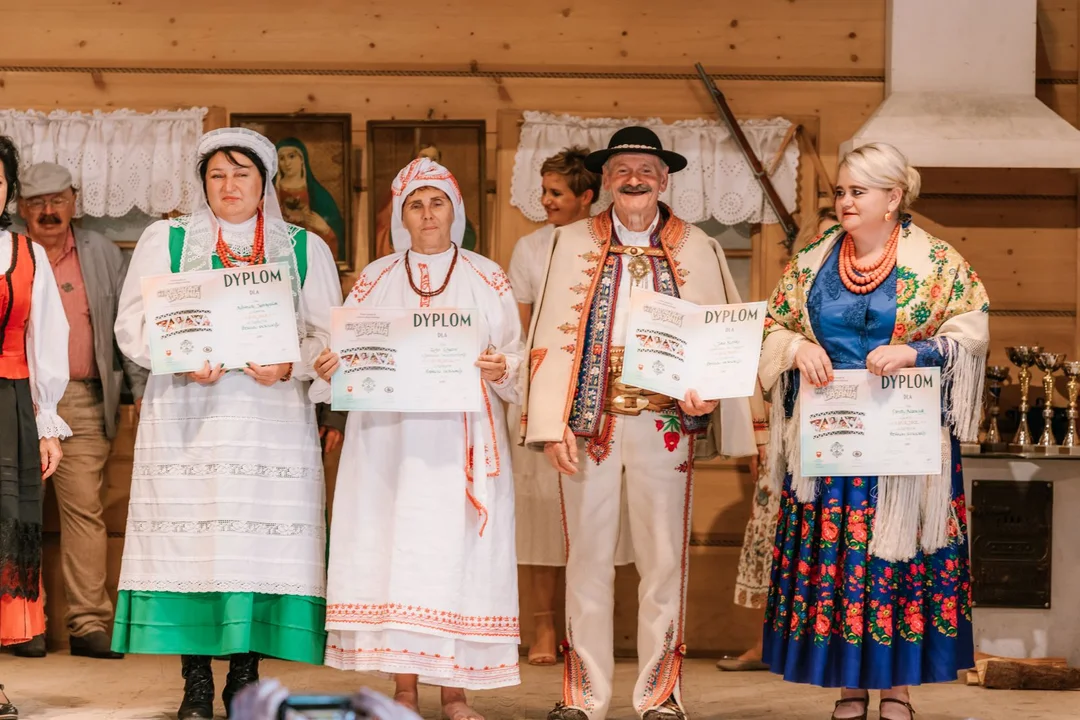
point(623, 399)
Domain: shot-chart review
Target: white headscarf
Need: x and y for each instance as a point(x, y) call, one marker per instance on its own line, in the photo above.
point(424, 172)
point(202, 231)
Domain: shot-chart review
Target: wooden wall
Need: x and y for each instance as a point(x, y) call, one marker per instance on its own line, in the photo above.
point(822, 60)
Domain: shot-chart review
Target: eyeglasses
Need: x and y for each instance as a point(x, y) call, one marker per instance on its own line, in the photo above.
point(40, 203)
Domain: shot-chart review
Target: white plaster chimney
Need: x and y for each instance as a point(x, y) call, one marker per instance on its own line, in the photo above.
point(960, 89)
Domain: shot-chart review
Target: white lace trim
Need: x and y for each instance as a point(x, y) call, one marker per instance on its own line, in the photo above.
point(51, 425)
point(152, 470)
point(223, 586)
point(236, 527)
point(118, 160)
point(717, 181)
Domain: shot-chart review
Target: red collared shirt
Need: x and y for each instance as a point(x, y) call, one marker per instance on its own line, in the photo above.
point(69, 280)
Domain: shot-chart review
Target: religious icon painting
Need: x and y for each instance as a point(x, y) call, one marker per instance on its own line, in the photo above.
point(314, 180)
point(458, 145)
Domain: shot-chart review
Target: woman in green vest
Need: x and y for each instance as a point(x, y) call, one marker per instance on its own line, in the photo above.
point(226, 538)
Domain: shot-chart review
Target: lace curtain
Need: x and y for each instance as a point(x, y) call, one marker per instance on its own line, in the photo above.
point(716, 183)
point(119, 160)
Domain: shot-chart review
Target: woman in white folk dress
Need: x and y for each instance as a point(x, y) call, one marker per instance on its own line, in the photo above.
point(225, 548)
point(422, 579)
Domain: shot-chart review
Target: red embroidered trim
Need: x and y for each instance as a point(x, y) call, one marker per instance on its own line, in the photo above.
point(441, 620)
point(498, 281)
point(490, 451)
point(675, 232)
point(577, 688)
point(599, 448)
point(494, 447)
point(536, 357)
point(600, 227)
point(667, 673)
point(370, 658)
point(363, 286)
point(469, 484)
point(425, 284)
point(413, 171)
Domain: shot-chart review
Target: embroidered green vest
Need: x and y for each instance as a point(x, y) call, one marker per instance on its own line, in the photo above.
point(178, 232)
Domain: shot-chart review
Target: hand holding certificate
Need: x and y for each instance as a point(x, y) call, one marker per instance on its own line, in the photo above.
point(227, 318)
point(864, 424)
point(406, 360)
point(673, 346)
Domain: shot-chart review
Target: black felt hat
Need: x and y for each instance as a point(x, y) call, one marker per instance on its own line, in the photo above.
point(635, 139)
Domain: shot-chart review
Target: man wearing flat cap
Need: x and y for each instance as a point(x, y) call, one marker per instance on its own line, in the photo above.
point(89, 272)
point(593, 428)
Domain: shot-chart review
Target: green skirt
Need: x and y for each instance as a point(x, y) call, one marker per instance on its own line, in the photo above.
point(289, 627)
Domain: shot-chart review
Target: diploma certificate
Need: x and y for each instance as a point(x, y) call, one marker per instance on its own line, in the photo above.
point(406, 360)
point(232, 317)
point(862, 424)
point(673, 346)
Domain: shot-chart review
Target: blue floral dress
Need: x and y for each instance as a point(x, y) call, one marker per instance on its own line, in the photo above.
point(836, 616)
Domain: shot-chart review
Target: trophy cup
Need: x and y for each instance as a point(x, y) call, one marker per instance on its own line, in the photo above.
point(1049, 363)
point(1071, 445)
point(995, 376)
point(1023, 356)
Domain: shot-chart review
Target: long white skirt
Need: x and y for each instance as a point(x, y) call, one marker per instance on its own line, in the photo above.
point(540, 536)
point(413, 587)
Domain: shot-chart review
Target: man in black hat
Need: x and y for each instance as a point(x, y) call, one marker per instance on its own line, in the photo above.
point(594, 428)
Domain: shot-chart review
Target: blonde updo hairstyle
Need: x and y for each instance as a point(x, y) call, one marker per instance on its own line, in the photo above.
point(881, 166)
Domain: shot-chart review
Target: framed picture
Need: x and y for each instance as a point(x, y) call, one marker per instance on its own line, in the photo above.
point(459, 145)
point(314, 182)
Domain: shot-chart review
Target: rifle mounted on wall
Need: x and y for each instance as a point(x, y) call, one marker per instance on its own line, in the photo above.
point(791, 230)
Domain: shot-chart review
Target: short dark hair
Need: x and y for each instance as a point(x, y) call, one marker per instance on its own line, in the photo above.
point(9, 158)
point(229, 150)
point(570, 163)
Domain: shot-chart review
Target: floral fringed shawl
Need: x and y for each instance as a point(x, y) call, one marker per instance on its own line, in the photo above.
point(938, 298)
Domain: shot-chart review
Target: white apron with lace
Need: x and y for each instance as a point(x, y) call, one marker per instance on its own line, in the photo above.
point(227, 491)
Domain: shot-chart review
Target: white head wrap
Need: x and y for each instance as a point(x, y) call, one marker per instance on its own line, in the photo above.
point(424, 172)
point(202, 231)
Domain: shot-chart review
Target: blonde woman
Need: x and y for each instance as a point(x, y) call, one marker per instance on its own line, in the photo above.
point(870, 584)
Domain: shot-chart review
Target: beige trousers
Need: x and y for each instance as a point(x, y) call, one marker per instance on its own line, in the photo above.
point(656, 459)
point(78, 484)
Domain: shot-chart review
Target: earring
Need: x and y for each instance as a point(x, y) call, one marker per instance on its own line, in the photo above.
point(888, 216)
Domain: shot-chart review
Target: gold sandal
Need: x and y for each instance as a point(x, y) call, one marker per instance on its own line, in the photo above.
point(543, 658)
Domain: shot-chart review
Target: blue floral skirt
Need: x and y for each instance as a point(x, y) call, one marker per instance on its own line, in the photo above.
point(838, 617)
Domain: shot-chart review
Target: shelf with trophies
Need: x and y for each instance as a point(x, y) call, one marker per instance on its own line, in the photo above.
point(1030, 431)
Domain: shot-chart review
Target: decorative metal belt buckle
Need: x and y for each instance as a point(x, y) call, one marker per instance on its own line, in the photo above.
point(630, 404)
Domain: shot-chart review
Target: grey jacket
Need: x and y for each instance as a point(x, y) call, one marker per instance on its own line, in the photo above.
point(103, 269)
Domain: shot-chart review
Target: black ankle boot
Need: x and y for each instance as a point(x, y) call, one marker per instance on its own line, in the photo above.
point(243, 671)
point(198, 703)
